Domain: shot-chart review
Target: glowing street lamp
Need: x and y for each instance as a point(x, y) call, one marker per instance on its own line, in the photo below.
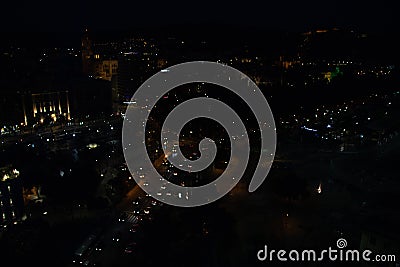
point(319, 189)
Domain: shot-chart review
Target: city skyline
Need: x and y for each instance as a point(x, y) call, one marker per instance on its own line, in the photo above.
point(69, 197)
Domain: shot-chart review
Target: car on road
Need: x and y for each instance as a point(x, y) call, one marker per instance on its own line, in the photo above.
point(122, 217)
point(134, 228)
point(99, 246)
point(130, 247)
point(147, 210)
point(82, 261)
point(117, 237)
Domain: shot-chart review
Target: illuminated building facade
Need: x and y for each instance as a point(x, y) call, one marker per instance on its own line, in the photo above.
point(11, 198)
point(95, 64)
point(104, 69)
point(50, 105)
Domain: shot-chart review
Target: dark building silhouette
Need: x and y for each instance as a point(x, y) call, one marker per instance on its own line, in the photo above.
point(87, 53)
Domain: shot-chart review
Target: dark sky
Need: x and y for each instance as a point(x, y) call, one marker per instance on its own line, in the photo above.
point(300, 15)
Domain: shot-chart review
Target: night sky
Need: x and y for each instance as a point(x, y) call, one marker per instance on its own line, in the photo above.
point(72, 16)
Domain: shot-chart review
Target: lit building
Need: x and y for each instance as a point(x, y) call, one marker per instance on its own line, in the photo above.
point(104, 69)
point(50, 105)
point(94, 64)
point(11, 198)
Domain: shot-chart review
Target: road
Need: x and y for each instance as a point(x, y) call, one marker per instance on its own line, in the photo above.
point(105, 251)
